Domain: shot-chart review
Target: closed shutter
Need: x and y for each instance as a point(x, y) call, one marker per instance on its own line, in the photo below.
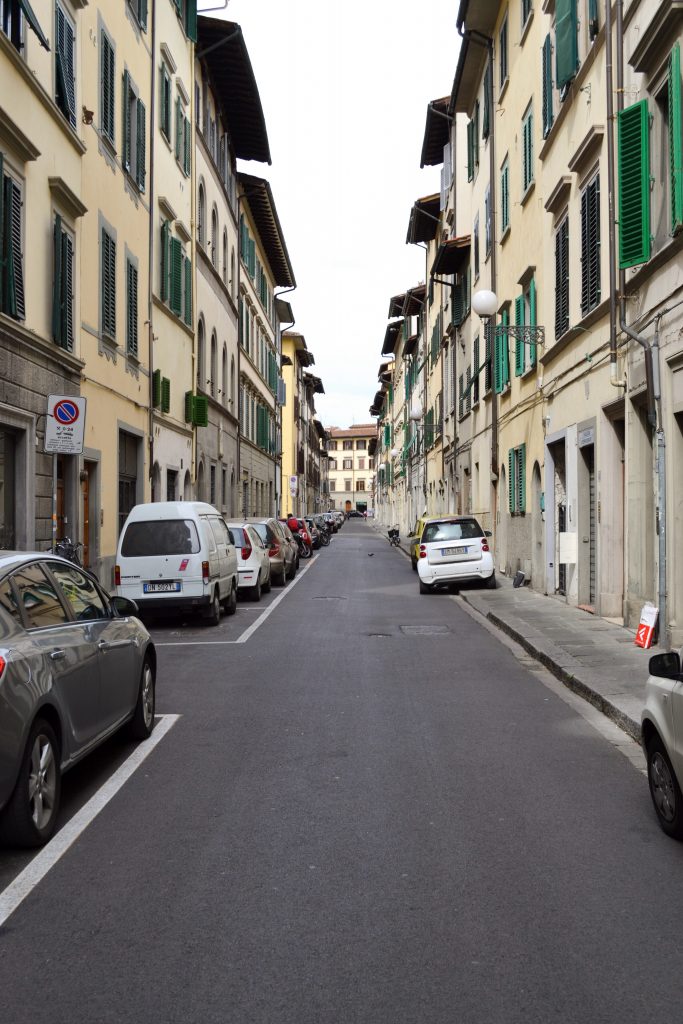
point(57, 283)
point(189, 406)
point(179, 132)
point(165, 394)
point(468, 389)
point(187, 146)
point(590, 246)
point(519, 342)
point(547, 86)
point(67, 292)
point(505, 197)
point(488, 329)
point(532, 320)
point(16, 257)
point(675, 140)
point(188, 292)
point(126, 109)
point(108, 270)
point(475, 385)
point(156, 389)
point(470, 150)
point(512, 505)
point(142, 14)
point(131, 309)
point(165, 263)
point(191, 19)
point(527, 150)
point(200, 410)
point(562, 278)
point(64, 56)
point(633, 144)
point(566, 42)
point(521, 478)
point(176, 296)
point(140, 147)
point(107, 88)
point(486, 121)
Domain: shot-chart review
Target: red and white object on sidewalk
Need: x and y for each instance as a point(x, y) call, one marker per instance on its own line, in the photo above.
point(646, 628)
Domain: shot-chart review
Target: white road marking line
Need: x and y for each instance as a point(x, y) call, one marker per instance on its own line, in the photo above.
point(251, 629)
point(29, 878)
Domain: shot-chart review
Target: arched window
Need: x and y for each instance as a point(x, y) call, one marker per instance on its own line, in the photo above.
point(232, 384)
point(201, 215)
point(214, 237)
point(201, 378)
point(214, 364)
point(225, 256)
point(224, 376)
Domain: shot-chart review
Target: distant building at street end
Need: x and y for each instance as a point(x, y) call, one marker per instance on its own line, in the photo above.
point(351, 467)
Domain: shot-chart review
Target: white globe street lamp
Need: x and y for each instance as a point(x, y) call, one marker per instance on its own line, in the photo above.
point(485, 303)
point(395, 452)
point(416, 412)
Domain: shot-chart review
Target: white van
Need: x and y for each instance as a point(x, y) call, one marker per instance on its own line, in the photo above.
point(177, 556)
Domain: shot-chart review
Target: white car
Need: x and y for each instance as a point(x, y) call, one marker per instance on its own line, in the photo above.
point(454, 549)
point(253, 560)
point(662, 739)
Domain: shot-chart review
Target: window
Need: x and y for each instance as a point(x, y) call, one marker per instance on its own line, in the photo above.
point(133, 149)
point(232, 381)
point(225, 256)
point(527, 149)
point(183, 137)
point(473, 143)
point(80, 593)
point(475, 361)
point(517, 480)
point(371, 463)
point(361, 446)
point(108, 283)
point(487, 219)
point(547, 66)
point(139, 9)
point(488, 335)
point(502, 354)
point(347, 485)
point(505, 196)
point(165, 102)
point(503, 53)
point(224, 376)
point(526, 12)
point(63, 287)
point(347, 464)
point(201, 355)
point(176, 275)
point(214, 364)
point(633, 145)
point(214, 237)
point(674, 118)
point(65, 77)
point(476, 247)
point(333, 464)
point(347, 446)
point(331, 446)
point(488, 88)
point(38, 597)
point(525, 313)
point(590, 245)
point(12, 16)
point(212, 485)
point(333, 485)
point(566, 42)
point(187, 12)
point(201, 216)
point(562, 278)
point(360, 485)
point(107, 69)
point(131, 308)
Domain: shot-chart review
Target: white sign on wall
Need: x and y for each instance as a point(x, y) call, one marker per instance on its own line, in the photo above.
point(65, 424)
point(293, 485)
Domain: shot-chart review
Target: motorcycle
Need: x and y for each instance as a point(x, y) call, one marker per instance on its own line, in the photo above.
point(394, 536)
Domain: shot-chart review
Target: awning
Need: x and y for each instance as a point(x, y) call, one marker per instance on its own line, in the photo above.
point(410, 345)
point(259, 199)
point(220, 44)
point(452, 256)
point(424, 220)
point(391, 337)
point(414, 300)
point(395, 306)
point(437, 132)
point(285, 361)
point(315, 384)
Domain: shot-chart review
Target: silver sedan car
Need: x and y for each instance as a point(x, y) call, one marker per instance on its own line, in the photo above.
point(75, 666)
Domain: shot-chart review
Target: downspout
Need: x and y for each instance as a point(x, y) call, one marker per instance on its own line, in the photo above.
point(279, 295)
point(661, 490)
point(193, 256)
point(150, 246)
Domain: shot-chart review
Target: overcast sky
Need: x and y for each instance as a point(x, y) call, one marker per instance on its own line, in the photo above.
point(345, 88)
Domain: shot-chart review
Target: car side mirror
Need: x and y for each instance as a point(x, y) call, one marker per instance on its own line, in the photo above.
point(487, 533)
point(666, 666)
point(124, 606)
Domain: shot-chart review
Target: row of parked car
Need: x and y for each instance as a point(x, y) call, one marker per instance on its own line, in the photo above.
point(88, 658)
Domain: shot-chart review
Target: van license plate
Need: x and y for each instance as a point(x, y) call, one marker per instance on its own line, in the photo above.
point(168, 587)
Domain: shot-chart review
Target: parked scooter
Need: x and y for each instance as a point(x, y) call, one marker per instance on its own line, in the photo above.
point(394, 536)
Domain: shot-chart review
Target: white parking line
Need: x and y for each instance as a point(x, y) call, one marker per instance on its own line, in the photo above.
point(25, 883)
point(242, 639)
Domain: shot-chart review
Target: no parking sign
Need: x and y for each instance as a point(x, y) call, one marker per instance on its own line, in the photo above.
point(65, 424)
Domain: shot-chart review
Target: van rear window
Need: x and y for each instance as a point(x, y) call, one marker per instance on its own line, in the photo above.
point(160, 537)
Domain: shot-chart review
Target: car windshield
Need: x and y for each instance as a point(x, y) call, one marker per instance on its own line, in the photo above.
point(464, 529)
point(160, 537)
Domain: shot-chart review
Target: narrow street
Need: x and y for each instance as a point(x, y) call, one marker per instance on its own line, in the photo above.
point(368, 811)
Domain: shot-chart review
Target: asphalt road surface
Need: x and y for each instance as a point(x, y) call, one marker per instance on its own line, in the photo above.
point(369, 810)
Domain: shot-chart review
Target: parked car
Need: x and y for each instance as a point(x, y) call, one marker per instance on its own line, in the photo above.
point(354, 514)
point(253, 560)
point(289, 537)
point(332, 520)
point(177, 556)
point(454, 549)
point(314, 532)
point(281, 554)
point(75, 666)
point(414, 539)
point(662, 739)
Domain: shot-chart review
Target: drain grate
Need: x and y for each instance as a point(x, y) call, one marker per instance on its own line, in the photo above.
point(425, 630)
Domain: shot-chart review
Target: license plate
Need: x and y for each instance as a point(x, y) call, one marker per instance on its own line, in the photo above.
point(169, 587)
point(454, 551)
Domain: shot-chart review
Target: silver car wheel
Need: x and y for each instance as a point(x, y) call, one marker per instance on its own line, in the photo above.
point(663, 792)
point(147, 696)
point(42, 782)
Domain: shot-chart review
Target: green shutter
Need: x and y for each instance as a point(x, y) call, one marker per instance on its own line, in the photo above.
point(189, 406)
point(67, 293)
point(165, 394)
point(519, 342)
point(470, 150)
point(3, 257)
point(107, 88)
point(633, 144)
point(675, 140)
point(191, 19)
point(188, 292)
point(200, 411)
point(566, 42)
point(532, 319)
point(521, 478)
point(547, 86)
point(140, 146)
point(127, 126)
point(179, 132)
point(486, 121)
point(57, 283)
point(187, 146)
point(176, 276)
point(142, 14)
point(131, 309)
point(165, 238)
point(34, 23)
point(511, 481)
point(156, 389)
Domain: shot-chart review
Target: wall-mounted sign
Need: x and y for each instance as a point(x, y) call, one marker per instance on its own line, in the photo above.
point(65, 424)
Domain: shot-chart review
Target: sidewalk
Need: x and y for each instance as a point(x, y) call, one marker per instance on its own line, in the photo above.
point(595, 658)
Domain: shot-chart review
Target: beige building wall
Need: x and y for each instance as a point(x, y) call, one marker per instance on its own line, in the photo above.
point(350, 485)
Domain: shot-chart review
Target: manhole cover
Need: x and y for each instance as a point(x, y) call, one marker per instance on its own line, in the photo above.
point(425, 630)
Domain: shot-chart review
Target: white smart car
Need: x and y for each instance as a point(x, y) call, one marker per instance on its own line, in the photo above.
point(454, 549)
point(662, 739)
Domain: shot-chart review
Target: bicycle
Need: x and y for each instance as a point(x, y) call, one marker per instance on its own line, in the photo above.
point(66, 548)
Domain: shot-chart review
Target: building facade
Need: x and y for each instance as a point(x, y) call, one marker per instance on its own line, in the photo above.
point(351, 468)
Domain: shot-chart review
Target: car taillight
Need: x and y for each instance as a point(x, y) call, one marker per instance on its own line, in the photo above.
point(246, 552)
point(205, 572)
point(117, 575)
point(274, 550)
point(423, 551)
point(484, 545)
point(3, 664)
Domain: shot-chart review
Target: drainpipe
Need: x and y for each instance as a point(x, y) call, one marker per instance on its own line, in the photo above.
point(661, 488)
point(279, 295)
point(150, 249)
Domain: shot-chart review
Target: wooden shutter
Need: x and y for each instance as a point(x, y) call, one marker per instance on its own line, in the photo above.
point(566, 42)
point(107, 88)
point(108, 272)
point(57, 282)
point(488, 328)
point(188, 292)
point(200, 411)
point(532, 320)
point(633, 144)
point(475, 385)
point(505, 196)
point(189, 406)
point(547, 86)
point(64, 61)
point(187, 146)
point(165, 394)
point(156, 389)
point(562, 278)
point(521, 478)
point(67, 292)
point(140, 146)
point(16, 262)
point(519, 343)
point(590, 246)
point(126, 109)
point(176, 276)
point(179, 133)
point(486, 121)
point(165, 263)
point(131, 309)
point(470, 150)
point(191, 19)
point(512, 504)
point(142, 14)
point(675, 140)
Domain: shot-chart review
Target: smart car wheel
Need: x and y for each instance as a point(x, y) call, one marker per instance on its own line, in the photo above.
point(30, 817)
point(142, 722)
point(425, 588)
point(491, 581)
point(664, 789)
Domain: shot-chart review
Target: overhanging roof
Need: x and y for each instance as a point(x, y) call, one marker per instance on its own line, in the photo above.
point(221, 46)
point(424, 220)
point(391, 337)
point(396, 305)
point(478, 16)
point(468, 76)
point(259, 198)
point(437, 132)
point(414, 300)
point(284, 311)
point(452, 256)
